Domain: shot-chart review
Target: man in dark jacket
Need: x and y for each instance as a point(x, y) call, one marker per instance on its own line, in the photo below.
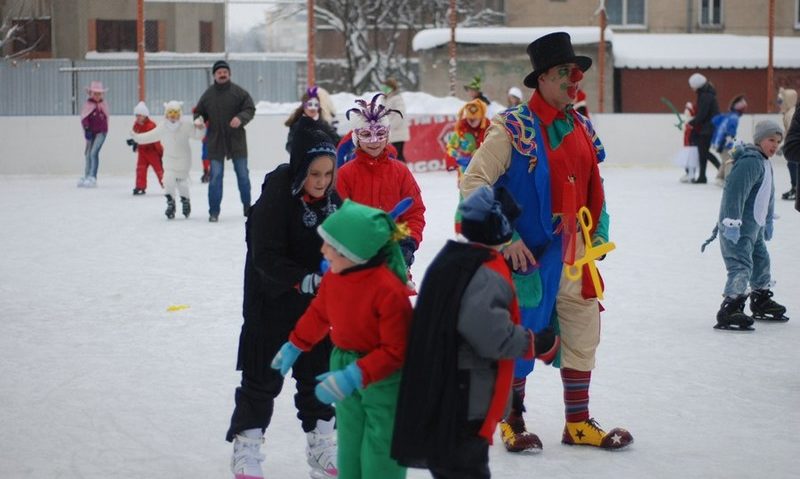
point(791, 146)
point(702, 128)
point(227, 108)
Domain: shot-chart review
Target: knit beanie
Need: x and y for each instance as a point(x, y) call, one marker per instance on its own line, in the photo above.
point(220, 64)
point(360, 232)
point(141, 109)
point(516, 92)
point(766, 128)
point(697, 80)
point(307, 145)
point(173, 105)
point(488, 215)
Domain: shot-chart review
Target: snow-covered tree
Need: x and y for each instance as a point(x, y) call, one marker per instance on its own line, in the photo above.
point(15, 17)
point(377, 36)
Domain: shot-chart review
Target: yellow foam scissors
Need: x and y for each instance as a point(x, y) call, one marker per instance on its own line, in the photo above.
point(590, 255)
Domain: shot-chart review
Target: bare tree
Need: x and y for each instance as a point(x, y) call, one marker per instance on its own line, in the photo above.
point(377, 34)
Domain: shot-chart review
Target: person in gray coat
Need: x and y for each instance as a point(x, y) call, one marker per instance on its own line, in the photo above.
point(227, 108)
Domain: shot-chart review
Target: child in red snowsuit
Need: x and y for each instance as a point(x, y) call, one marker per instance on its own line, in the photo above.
point(147, 155)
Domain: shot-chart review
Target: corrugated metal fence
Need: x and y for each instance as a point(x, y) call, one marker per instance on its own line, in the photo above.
point(40, 87)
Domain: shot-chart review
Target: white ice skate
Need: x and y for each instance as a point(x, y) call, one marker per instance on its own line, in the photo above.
point(321, 450)
point(247, 457)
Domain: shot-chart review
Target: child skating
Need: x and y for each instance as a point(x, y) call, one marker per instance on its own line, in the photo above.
point(174, 134)
point(745, 223)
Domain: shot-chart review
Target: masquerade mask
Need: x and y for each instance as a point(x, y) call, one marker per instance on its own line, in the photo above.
point(312, 104)
point(173, 114)
point(373, 134)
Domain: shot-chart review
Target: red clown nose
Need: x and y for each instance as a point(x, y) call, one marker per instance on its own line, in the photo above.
point(575, 75)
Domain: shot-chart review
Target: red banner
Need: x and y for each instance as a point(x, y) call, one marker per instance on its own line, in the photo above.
point(426, 149)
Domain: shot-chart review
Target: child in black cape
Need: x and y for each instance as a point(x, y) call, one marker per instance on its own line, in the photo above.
point(462, 344)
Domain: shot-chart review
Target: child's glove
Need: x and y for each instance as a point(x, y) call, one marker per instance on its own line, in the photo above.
point(88, 134)
point(310, 283)
point(768, 231)
point(199, 123)
point(132, 144)
point(285, 358)
point(731, 229)
point(337, 385)
point(408, 246)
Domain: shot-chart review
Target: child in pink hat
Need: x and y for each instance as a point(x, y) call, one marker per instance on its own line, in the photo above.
point(94, 119)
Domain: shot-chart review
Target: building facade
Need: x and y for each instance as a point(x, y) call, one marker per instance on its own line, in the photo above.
point(71, 28)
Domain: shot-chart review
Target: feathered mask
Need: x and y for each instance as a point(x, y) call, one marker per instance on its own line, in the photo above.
point(371, 120)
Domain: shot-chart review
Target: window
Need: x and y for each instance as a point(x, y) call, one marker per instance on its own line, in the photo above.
point(797, 14)
point(626, 12)
point(711, 13)
point(206, 37)
point(32, 35)
point(120, 35)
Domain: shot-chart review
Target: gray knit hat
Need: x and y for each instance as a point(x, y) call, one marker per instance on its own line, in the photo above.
point(766, 128)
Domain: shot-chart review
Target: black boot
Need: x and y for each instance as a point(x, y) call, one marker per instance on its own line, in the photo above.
point(765, 308)
point(187, 206)
point(170, 212)
point(731, 315)
point(790, 195)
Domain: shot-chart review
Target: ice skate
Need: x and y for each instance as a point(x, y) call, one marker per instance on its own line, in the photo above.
point(247, 457)
point(321, 450)
point(790, 195)
point(186, 206)
point(170, 212)
point(138, 191)
point(764, 308)
point(90, 182)
point(731, 315)
point(516, 437)
point(589, 433)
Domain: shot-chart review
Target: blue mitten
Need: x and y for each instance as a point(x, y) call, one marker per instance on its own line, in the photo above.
point(337, 385)
point(731, 229)
point(768, 230)
point(285, 358)
point(87, 133)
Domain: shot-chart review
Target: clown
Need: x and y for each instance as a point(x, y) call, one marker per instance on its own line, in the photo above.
point(174, 134)
point(548, 156)
point(374, 179)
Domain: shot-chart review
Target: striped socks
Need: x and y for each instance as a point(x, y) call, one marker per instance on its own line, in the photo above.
point(576, 394)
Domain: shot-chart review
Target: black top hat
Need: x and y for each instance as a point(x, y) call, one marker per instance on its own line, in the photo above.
point(551, 50)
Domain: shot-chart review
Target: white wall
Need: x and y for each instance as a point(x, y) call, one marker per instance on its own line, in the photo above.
point(54, 145)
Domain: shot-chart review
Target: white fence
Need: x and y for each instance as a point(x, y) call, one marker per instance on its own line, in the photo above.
point(54, 145)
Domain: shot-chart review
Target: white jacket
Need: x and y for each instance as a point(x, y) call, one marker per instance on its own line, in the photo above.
point(398, 127)
point(177, 152)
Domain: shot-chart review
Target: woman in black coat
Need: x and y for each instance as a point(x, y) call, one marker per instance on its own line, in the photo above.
point(282, 273)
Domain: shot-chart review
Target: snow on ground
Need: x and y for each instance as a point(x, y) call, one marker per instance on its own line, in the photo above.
point(98, 379)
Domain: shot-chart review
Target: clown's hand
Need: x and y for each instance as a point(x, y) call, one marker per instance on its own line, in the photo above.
point(337, 385)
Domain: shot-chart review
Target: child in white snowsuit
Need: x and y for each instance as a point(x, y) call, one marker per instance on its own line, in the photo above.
point(745, 223)
point(174, 135)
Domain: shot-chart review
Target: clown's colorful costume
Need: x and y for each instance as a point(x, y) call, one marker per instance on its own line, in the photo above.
point(466, 138)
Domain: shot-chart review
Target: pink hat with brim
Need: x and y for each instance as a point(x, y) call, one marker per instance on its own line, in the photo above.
point(96, 86)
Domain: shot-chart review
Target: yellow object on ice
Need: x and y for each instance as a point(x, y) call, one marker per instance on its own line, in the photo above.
point(177, 307)
point(591, 253)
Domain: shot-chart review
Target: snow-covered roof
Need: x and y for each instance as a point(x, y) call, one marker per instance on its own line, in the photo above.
point(434, 37)
point(653, 50)
point(197, 56)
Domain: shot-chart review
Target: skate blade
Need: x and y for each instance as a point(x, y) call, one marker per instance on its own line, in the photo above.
point(771, 319)
point(738, 329)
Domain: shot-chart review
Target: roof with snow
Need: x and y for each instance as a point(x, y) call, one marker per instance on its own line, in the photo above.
point(654, 50)
point(640, 50)
point(435, 37)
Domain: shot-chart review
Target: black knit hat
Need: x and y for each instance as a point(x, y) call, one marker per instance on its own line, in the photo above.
point(552, 50)
point(220, 64)
point(488, 216)
point(308, 144)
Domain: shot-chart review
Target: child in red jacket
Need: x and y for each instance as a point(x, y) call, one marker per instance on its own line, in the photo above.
point(362, 302)
point(147, 155)
point(372, 178)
